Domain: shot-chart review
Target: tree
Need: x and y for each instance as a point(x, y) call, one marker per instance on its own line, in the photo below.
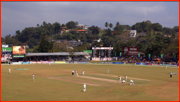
point(14, 42)
point(32, 42)
point(63, 25)
point(26, 34)
point(126, 27)
point(157, 27)
point(110, 25)
point(95, 30)
point(59, 47)
point(137, 27)
point(2, 40)
point(18, 35)
point(106, 24)
point(71, 25)
point(166, 30)
point(44, 46)
point(172, 31)
point(118, 29)
point(176, 28)
point(141, 27)
point(117, 24)
point(44, 23)
point(51, 49)
point(7, 37)
point(44, 36)
point(84, 40)
point(56, 27)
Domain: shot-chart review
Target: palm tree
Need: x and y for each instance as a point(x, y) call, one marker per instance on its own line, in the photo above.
point(106, 24)
point(110, 25)
point(117, 24)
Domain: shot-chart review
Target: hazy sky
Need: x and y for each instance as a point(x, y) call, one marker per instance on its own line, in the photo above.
point(19, 15)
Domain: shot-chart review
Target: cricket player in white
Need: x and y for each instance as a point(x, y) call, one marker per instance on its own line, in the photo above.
point(119, 78)
point(131, 82)
point(76, 73)
point(84, 87)
point(49, 64)
point(171, 75)
point(72, 72)
point(123, 81)
point(107, 71)
point(33, 77)
point(166, 66)
point(125, 77)
point(83, 73)
point(9, 70)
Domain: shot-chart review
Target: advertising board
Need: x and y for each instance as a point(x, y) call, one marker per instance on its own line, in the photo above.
point(18, 50)
point(133, 51)
point(62, 62)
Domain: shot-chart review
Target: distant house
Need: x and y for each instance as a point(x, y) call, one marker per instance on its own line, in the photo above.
point(81, 26)
point(141, 33)
point(75, 43)
point(60, 41)
point(64, 29)
point(81, 30)
point(167, 35)
point(70, 47)
point(133, 33)
point(99, 40)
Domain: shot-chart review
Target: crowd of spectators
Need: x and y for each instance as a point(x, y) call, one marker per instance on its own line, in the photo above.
point(134, 59)
point(56, 58)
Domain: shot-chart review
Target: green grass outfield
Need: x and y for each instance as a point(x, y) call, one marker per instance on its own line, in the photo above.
point(55, 83)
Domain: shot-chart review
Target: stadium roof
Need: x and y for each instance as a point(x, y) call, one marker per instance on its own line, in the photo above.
point(56, 54)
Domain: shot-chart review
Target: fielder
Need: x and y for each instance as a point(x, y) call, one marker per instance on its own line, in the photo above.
point(107, 71)
point(72, 72)
point(125, 77)
point(166, 66)
point(83, 73)
point(123, 81)
point(171, 75)
point(76, 73)
point(9, 70)
point(33, 77)
point(131, 82)
point(119, 78)
point(84, 89)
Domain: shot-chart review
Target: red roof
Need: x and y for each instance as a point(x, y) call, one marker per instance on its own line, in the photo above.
point(81, 30)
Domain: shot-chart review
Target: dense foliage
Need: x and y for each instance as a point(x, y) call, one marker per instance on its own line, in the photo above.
point(154, 41)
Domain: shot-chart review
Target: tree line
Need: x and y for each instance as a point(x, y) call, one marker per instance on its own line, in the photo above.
point(153, 42)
